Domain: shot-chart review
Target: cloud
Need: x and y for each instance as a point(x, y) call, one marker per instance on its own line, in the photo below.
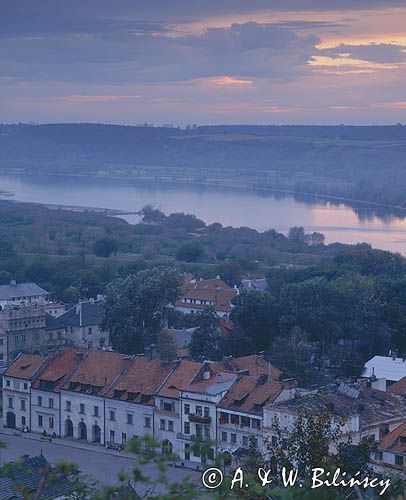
point(380, 53)
point(85, 99)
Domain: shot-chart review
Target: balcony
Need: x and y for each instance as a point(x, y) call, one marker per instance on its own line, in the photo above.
point(185, 437)
point(200, 419)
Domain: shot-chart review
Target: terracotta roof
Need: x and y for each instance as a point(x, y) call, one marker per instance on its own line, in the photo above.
point(98, 370)
point(180, 378)
point(59, 367)
point(395, 441)
point(25, 366)
point(215, 291)
point(249, 394)
point(398, 387)
point(140, 381)
point(254, 364)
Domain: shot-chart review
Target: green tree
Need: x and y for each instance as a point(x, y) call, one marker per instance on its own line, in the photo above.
point(166, 346)
point(105, 247)
point(189, 252)
point(257, 315)
point(136, 307)
point(207, 341)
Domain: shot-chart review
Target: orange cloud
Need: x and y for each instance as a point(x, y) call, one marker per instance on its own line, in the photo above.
point(228, 80)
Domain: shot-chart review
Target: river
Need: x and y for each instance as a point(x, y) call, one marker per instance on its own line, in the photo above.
point(382, 228)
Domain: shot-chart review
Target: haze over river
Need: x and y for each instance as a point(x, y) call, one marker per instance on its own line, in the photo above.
point(382, 228)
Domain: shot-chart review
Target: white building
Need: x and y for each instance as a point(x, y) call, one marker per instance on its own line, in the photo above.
point(83, 325)
point(391, 368)
point(130, 401)
point(22, 294)
point(17, 391)
point(391, 451)
point(82, 404)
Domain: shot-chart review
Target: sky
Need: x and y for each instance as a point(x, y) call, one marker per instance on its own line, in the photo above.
point(203, 61)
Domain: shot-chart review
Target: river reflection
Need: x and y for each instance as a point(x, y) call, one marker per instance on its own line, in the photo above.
point(338, 220)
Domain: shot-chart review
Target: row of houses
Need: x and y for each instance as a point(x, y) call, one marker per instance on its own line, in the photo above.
point(107, 398)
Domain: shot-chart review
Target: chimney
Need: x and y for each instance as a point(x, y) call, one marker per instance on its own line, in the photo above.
point(394, 354)
point(13, 282)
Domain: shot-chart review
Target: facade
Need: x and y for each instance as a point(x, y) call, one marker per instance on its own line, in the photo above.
point(82, 404)
point(130, 401)
point(17, 294)
point(82, 325)
point(17, 382)
point(26, 330)
point(199, 294)
point(45, 390)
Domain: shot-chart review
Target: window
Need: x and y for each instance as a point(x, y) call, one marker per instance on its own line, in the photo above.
point(39, 401)
point(1, 341)
point(187, 409)
point(68, 406)
point(8, 383)
point(1, 356)
point(199, 430)
point(50, 336)
point(25, 386)
point(51, 422)
point(224, 436)
point(168, 407)
point(112, 415)
point(235, 419)
point(233, 438)
point(22, 338)
point(398, 460)
point(51, 402)
point(245, 440)
point(22, 402)
point(16, 339)
point(378, 455)
point(199, 411)
point(274, 440)
point(147, 422)
point(36, 337)
point(95, 411)
point(40, 422)
point(10, 403)
point(82, 408)
point(129, 418)
point(206, 411)
point(162, 424)
point(187, 427)
point(89, 332)
point(170, 425)
point(206, 431)
point(123, 438)
point(23, 421)
point(112, 436)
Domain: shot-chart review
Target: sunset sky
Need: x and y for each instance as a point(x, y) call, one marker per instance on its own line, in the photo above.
point(203, 61)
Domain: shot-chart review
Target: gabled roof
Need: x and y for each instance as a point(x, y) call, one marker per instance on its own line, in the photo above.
point(58, 367)
point(7, 292)
point(385, 367)
point(23, 477)
point(398, 387)
point(395, 441)
point(140, 381)
point(25, 366)
point(181, 377)
point(215, 291)
point(249, 394)
point(97, 371)
point(84, 314)
point(254, 364)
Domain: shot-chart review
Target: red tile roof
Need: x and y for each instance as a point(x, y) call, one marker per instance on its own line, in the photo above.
point(25, 366)
point(249, 394)
point(215, 291)
point(398, 387)
point(180, 378)
point(254, 364)
point(98, 370)
point(59, 366)
point(140, 381)
point(395, 441)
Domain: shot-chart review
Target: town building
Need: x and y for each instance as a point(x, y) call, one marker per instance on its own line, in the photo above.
point(391, 451)
point(17, 391)
point(45, 390)
point(82, 403)
point(83, 325)
point(130, 401)
point(359, 411)
point(398, 387)
point(17, 294)
point(197, 295)
point(241, 411)
point(391, 368)
point(253, 285)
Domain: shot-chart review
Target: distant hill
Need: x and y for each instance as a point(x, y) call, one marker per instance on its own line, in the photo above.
point(366, 163)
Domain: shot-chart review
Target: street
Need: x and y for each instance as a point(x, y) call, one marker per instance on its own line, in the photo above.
point(95, 462)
